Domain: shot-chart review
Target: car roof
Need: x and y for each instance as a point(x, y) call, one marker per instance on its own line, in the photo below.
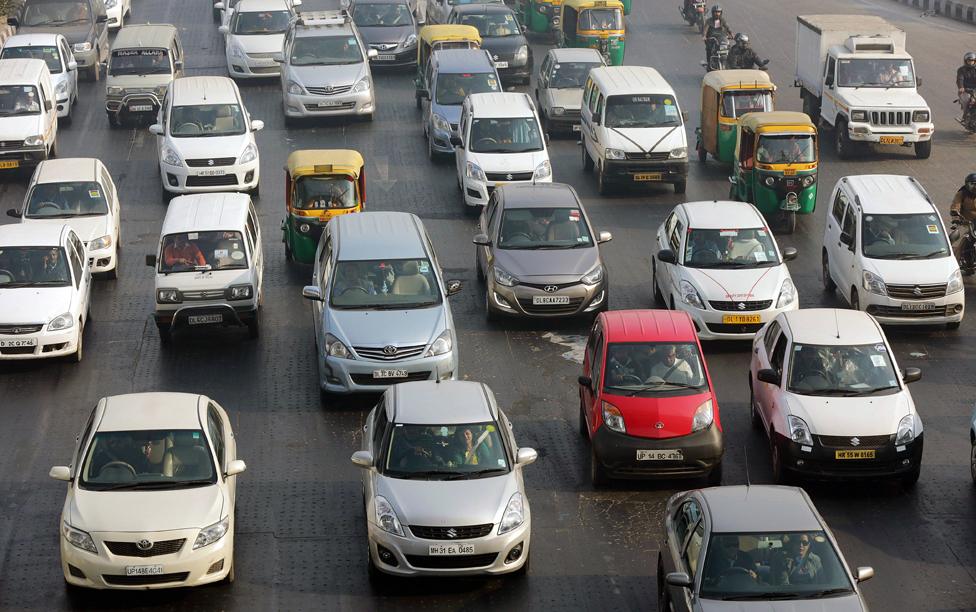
point(758, 508)
point(158, 410)
point(573, 54)
point(203, 90)
point(833, 326)
point(21, 71)
point(31, 234)
point(203, 212)
point(888, 193)
point(449, 402)
point(248, 6)
point(317, 23)
point(462, 60)
point(156, 35)
point(540, 195)
point(380, 2)
point(45, 39)
point(648, 326)
point(372, 235)
point(65, 169)
point(497, 105)
point(482, 8)
point(629, 80)
point(719, 214)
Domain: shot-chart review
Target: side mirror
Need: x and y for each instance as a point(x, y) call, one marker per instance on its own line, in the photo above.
point(546, 136)
point(456, 141)
point(910, 375)
point(864, 573)
point(768, 375)
point(918, 81)
point(789, 254)
point(72, 65)
point(684, 116)
point(178, 64)
point(13, 21)
point(479, 239)
point(846, 238)
point(279, 58)
point(678, 579)
point(101, 19)
point(13, 212)
point(596, 119)
point(219, 6)
point(311, 292)
point(296, 2)
point(604, 237)
point(667, 256)
point(523, 28)
point(454, 287)
point(103, 65)
point(829, 82)
point(151, 261)
point(525, 456)
point(235, 467)
point(424, 94)
point(60, 472)
point(585, 381)
point(156, 129)
point(363, 459)
point(257, 125)
point(224, 29)
point(372, 53)
point(47, 105)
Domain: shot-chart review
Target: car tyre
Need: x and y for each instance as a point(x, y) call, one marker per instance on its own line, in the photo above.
point(231, 575)
point(663, 597)
point(828, 283)
point(253, 327)
point(165, 334)
point(923, 149)
point(855, 301)
point(776, 461)
point(910, 479)
point(78, 354)
point(113, 274)
point(972, 461)
point(658, 299)
point(478, 272)
point(953, 325)
point(598, 475)
point(702, 153)
point(255, 192)
point(842, 140)
point(587, 160)
point(113, 120)
point(680, 187)
point(714, 477)
point(376, 577)
point(432, 155)
point(602, 184)
point(756, 419)
point(584, 428)
point(490, 314)
point(524, 570)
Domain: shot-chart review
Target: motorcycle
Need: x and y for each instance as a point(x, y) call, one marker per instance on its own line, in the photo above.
point(718, 59)
point(968, 120)
point(696, 16)
point(967, 248)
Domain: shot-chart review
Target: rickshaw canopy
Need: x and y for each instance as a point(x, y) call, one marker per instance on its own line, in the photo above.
point(456, 32)
point(324, 161)
point(587, 4)
point(778, 121)
point(722, 80)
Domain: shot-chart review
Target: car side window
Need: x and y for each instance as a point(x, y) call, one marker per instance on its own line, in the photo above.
point(216, 426)
point(692, 550)
point(831, 65)
point(669, 223)
point(850, 223)
point(325, 264)
point(779, 352)
point(65, 54)
point(379, 425)
point(674, 241)
point(687, 516)
point(598, 113)
point(769, 336)
point(490, 217)
point(594, 93)
point(596, 366)
point(84, 437)
point(840, 202)
point(76, 266)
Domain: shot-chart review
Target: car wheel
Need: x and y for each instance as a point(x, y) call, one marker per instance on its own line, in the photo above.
point(290, 122)
point(431, 153)
point(954, 325)
point(787, 221)
point(490, 315)
point(288, 254)
point(166, 196)
point(714, 478)
point(96, 71)
point(376, 577)
point(584, 429)
point(855, 301)
point(598, 475)
point(663, 597)
point(53, 151)
point(113, 274)
point(165, 335)
point(255, 192)
point(230, 577)
point(587, 160)
point(253, 327)
point(702, 153)
point(680, 187)
point(216, 16)
point(776, 461)
point(113, 120)
point(828, 283)
point(910, 479)
point(602, 184)
point(972, 461)
point(78, 354)
point(524, 570)
point(923, 149)
point(842, 140)
point(756, 419)
point(478, 272)
point(658, 298)
point(66, 120)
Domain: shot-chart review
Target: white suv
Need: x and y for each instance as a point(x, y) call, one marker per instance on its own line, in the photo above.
point(885, 249)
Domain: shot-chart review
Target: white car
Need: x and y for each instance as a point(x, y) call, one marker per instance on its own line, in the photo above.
point(56, 53)
point(254, 37)
point(152, 489)
point(718, 261)
point(78, 191)
point(117, 11)
point(885, 250)
point(45, 292)
point(826, 388)
point(205, 138)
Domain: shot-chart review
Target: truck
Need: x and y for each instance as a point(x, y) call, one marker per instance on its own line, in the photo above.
point(856, 77)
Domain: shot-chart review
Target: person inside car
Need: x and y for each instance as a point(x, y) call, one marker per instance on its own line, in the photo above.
point(51, 267)
point(180, 252)
point(671, 368)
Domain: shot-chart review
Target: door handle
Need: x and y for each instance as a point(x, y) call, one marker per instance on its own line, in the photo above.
point(756, 350)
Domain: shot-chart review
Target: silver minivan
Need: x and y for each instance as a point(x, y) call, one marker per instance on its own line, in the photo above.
point(379, 305)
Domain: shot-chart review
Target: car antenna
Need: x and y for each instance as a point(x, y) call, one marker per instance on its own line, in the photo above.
point(437, 373)
point(745, 452)
point(836, 324)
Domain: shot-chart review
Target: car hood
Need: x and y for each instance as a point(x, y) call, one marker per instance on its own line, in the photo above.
point(202, 281)
point(339, 74)
point(646, 139)
point(33, 304)
point(142, 81)
point(20, 127)
point(509, 162)
point(438, 503)
point(382, 327)
point(876, 97)
point(847, 603)
point(213, 146)
point(851, 416)
point(566, 98)
point(259, 43)
point(732, 285)
point(642, 414)
point(74, 33)
point(386, 34)
point(450, 112)
point(555, 265)
point(913, 271)
point(87, 228)
point(502, 46)
point(141, 511)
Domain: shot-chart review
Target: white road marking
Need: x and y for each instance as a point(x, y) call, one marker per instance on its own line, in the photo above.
point(575, 343)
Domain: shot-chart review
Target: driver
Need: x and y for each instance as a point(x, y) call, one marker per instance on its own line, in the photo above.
point(808, 363)
point(149, 460)
point(182, 252)
point(726, 556)
point(700, 245)
point(353, 277)
point(27, 102)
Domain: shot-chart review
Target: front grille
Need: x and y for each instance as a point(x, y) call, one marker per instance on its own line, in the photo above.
point(734, 328)
point(457, 533)
point(211, 161)
point(648, 156)
point(27, 328)
point(11, 144)
point(896, 311)
point(129, 549)
point(205, 294)
point(18, 350)
point(509, 176)
point(745, 305)
point(368, 380)
point(328, 90)
point(559, 286)
point(384, 46)
point(141, 580)
point(315, 108)
point(551, 309)
point(452, 561)
point(263, 55)
point(925, 292)
point(402, 352)
point(196, 180)
point(862, 441)
point(264, 69)
point(891, 118)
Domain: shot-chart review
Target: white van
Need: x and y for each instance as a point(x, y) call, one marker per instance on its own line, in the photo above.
point(633, 129)
point(55, 51)
point(209, 265)
point(28, 113)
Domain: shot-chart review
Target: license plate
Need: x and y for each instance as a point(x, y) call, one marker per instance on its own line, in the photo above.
point(212, 172)
point(9, 163)
point(789, 171)
point(385, 58)
point(501, 64)
point(542, 300)
point(648, 176)
point(329, 103)
point(18, 342)
point(205, 319)
point(854, 454)
point(909, 306)
point(143, 570)
point(892, 140)
point(389, 373)
point(451, 549)
point(741, 319)
point(576, 127)
point(660, 455)
point(140, 108)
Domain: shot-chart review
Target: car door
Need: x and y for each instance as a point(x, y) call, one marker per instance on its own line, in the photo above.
point(586, 112)
point(596, 118)
point(671, 273)
point(101, 29)
point(543, 82)
point(772, 402)
point(81, 273)
point(323, 274)
point(846, 260)
point(591, 396)
point(114, 210)
point(684, 549)
point(831, 238)
point(460, 153)
point(254, 229)
point(66, 58)
point(374, 431)
point(762, 350)
point(663, 241)
point(827, 107)
point(487, 224)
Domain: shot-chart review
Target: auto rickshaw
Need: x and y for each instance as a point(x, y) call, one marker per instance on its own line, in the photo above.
point(594, 24)
point(626, 4)
point(435, 37)
point(726, 95)
point(319, 184)
point(539, 16)
point(776, 165)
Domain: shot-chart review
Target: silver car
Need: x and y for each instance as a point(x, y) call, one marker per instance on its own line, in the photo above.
point(758, 547)
point(442, 483)
point(559, 88)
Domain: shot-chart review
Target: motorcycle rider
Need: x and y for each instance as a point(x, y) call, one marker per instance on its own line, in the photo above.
point(966, 80)
point(963, 211)
point(689, 9)
point(715, 28)
point(741, 55)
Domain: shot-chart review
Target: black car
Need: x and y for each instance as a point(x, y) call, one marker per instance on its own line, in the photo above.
point(390, 27)
point(502, 35)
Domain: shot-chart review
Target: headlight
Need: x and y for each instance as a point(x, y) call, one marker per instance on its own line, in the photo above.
point(859, 115)
point(504, 278)
point(78, 538)
point(442, 345)
point(100, 243)
point(521, 56)
point(906, 430)
point(679, 152)
point(593, 277)
point(160, 91)
point(558, 110)
point(361, 86)
point(34, 141)
point(769, 181)
point(64, 321)
point(241, 292)
point(113, 90)
point(171, 158)
point(787, 295)
point(81, 47)
point(250, 154)
point(612, 417)
point(513, 516)
point(542, 171)
point(236, 51)
point(689, 295)
point(295, 89)
point(704, 415)
point(386, 517)
point(808, 180)
point(799, 432)
point(955, 283)
point(921, 116)
point(474, 172)
point(61, 88)
point(440, 123)
point(615, 154)
point(874, 283)
point(209, 535)
point(411, 41)
point(335, 348)
point(168, 296)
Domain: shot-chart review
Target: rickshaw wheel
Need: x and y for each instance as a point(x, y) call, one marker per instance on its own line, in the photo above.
point(702, 153)
point(288, 254)
point(787, 220)
point(420, 105)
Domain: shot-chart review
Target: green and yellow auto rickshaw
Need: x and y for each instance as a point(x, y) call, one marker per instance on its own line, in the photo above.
point(594, 24)
point(539, 16)
point(319, 184)
point(726, 95)
point(626, 4)
point(435, 37)
point(776, 165)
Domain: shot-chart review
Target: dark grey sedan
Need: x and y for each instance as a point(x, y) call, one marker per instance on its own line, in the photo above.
point(390, 27)
point(503, 37)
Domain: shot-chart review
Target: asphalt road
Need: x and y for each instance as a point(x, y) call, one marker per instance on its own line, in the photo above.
point(300, 530)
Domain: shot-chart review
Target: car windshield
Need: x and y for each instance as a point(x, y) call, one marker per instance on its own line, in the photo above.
point(55, 13)
point(139, 61)
point(33, 267)
point(643, 111)
point(19, 100)
point(385, 284)
point(912, 236)
point(509, 135)
point(459, 2)
point(452, 89)
point(141, 460)
point(324, 193)
point(202, 120)
point(260, 22)
point(445, 452)
point(313, 50)
point(737, 103)
point(827, 370)
point(875, 73)
point(65, 200)
point(493, 25)
point(48, 54)
point(730, 248)
point(543, 228)
point(570, 75)
point(773, 566)
point(600, 19)
point(381, 15)
point(786, 149)
point(202, 251)
point(654, 368)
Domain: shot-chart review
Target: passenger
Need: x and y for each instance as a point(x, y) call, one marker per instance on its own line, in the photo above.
point(182, 252)
point(671, 368)
point(744, 246)
point(804, 566)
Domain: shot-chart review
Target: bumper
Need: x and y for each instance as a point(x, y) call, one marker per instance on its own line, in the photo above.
point(518, 300)
point(135, 104)
point(710, 326)
point(819, 462)
point(64, 107)
point(85, 59)
point(440, 140)
point(49, 344)
point(252, 67)
point(403, 57)
point(915, 132)
point(239, 177)
point(515, 73)
point(179, 317)
point(617, 453)
point(356, 375)
point(888, 311)
point(630, 170)
point(568, 121)
point(476, 192)
point(102, 260)
point(25, 157)
point(114, 15)
point(297, 106)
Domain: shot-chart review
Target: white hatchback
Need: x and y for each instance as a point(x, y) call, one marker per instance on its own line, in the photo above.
point(152, 489)
point(56, 53)
point(718, 261)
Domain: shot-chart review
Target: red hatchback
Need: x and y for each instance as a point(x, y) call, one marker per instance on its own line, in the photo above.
point(646, 400)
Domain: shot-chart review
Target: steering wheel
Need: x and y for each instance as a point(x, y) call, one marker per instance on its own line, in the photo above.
point(736, 571)
point(485, 141)
point(518, 235)
point(886, 239)
point(347, 289)
point(41, 206)
point(118, 464)
point(821, 373)
point(182, 129)
point(624, 377)
point(7, 273)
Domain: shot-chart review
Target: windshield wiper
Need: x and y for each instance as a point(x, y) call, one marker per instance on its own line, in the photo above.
point(490, 471)
point(832, 391)
point(428, 473)
point(920, 256)
point(876, 389)
point(48, 283)
point(827, 593)
point(14, 285)
point(395, 306)
point(763, 595)
point(155, 484)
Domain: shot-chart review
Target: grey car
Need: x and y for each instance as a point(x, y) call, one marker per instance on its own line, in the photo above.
point(84, 23)
point(758, 547)
point(559, 88)
point(442, 483)
point(390, 27)
point(453, 75)
point(538, 254)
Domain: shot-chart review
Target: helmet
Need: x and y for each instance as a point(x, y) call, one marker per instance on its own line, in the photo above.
point(716, 10)
point(969, 57)
point(971, 179)
point(742, 39)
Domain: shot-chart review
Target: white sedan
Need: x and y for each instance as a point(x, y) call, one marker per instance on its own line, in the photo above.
point(719, 262)
point(117, 11)
point(254, 36)
point(151, 494)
